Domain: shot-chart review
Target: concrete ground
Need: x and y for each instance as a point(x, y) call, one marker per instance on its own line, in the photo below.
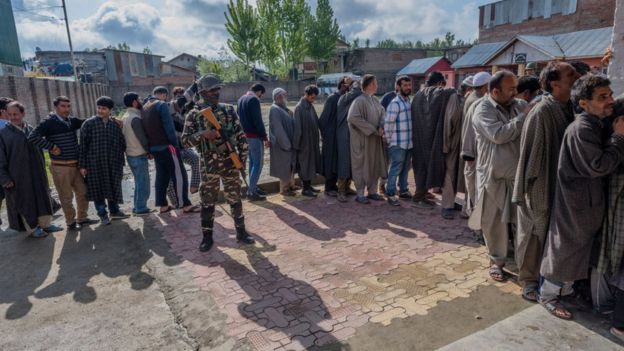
point(323, 275)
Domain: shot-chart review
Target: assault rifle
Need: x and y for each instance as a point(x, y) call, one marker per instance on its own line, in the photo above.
point(221, 133)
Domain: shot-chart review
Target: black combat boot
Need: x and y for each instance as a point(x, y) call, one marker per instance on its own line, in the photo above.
point(242, 236)
point(207, 241)
point(239, 223)
point(207, 220)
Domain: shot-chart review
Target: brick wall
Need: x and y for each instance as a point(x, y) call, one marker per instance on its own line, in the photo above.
point(383, 63)
point(590, 14)
point(37, 95)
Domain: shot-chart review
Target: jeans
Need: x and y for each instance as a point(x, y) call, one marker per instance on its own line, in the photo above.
point(140, 170)
point(256, 161)
point(100, 207)
point(400, 163)
point(169, 167)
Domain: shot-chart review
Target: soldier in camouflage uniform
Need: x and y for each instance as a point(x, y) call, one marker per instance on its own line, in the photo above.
point(215, 162)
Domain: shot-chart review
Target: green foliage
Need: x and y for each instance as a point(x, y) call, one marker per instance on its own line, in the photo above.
point(435, 47)
point(356, 43)
point(147, 50)
point(291, 35)
point(268, 20)
point(225, 67)
point(322, 32)
point(243, 26)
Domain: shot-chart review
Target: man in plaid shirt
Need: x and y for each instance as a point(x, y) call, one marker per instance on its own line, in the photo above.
point(398, 135)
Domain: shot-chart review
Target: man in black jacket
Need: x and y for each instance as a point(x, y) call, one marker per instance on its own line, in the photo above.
point(250, 114)
point(57, 134)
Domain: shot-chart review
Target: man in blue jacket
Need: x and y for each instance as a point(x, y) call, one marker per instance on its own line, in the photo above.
point(250, 115)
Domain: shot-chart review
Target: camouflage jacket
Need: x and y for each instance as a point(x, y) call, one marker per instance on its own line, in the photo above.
point(215, 153)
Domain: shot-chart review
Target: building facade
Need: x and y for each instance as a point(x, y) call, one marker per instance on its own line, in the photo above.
point(502, 20)
point(513, 33)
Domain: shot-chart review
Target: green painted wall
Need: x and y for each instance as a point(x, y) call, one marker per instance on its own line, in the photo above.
point(9, 46)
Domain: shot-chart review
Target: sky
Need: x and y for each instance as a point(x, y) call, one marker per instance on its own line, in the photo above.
point(171, 27)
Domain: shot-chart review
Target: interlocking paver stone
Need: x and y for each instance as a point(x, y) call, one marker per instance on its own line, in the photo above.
point(321, 269)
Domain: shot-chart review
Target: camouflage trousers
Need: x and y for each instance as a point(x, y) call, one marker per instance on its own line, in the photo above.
point(209, 195)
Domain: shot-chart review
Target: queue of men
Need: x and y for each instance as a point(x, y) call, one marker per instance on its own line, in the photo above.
point(536, 176)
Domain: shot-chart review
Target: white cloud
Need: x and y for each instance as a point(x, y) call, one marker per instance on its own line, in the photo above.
point(170, 27)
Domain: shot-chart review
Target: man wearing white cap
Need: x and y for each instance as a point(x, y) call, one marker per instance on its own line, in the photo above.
point(469, 142)
point(281, 131)
point(466, 86)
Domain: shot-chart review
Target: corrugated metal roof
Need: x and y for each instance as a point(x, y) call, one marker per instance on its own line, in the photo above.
point(9, 46)
point(478, 55)
point(547, 44)
point(586, 43)
point(419, 66)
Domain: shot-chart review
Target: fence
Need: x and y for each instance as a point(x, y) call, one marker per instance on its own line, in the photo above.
point(37, 95)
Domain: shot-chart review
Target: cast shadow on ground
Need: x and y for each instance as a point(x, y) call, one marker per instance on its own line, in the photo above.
point(278, 302)
point(333, 220)
point(24, 268)
point(114, 251)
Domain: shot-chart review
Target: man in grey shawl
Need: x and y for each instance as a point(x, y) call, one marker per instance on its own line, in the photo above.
point(306, 140)
point(497, 121)
point(608, 278)
point(536, 175)
point(281, 131)
point(436, 128)
point(585, 160)
point(469, 141)
point(368, 157)
point(343, 140)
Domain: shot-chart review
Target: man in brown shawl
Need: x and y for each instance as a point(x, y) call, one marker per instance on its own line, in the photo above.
point(497, 121)
point(306, 140)
point(579, 205)
point(436, 128)
point(536, 175)
point(368, 157)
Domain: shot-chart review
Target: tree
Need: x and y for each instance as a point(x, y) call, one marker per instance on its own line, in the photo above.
point(367, 43)
point(322, 33)
point(449, 39)
point(242, 25)
point(291, 34)
point(147, 50)
point(356, 43)
point(269, 18)
point(123, 46)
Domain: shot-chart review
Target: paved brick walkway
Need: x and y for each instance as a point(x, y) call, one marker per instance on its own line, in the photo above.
point(321, 269)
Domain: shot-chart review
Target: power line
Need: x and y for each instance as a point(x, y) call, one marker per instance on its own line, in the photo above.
point(33, 13)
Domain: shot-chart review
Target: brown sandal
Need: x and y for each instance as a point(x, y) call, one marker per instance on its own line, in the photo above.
point(530, 296)
point(555, 308)
point(168, 209)
point(497, 273)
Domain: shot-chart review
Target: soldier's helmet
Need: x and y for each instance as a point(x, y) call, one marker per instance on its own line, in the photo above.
point(532, 65)
point(208, 82)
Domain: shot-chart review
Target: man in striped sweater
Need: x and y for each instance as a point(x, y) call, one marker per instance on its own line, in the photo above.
point(57, 134)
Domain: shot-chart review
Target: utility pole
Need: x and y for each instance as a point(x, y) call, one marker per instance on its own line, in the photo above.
point(71, 47)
